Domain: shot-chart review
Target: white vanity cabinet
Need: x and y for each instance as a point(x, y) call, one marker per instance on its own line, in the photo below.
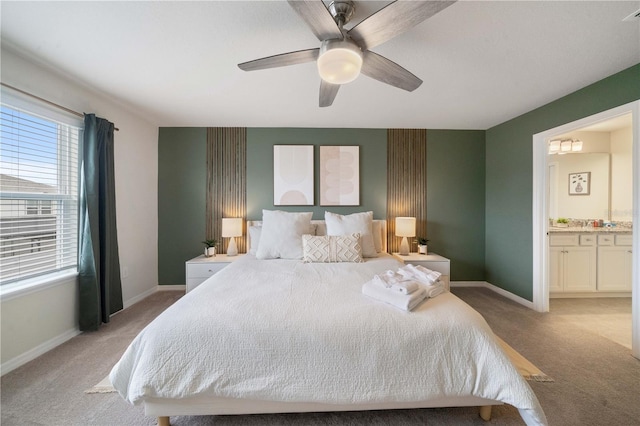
point(614, 262)
point(572, 263)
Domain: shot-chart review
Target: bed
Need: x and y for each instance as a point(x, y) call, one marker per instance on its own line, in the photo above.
point(284, 335)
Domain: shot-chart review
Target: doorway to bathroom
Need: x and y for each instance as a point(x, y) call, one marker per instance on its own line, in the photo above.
point(587, 195)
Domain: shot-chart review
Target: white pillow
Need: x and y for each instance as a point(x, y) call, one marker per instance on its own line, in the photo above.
point(281, 235)
point(361, 223)
point(254, 238)
point(377, 235)
point(329, 249)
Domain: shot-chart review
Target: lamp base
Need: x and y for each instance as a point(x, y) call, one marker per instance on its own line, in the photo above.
point(404, 247)
point(232, 250)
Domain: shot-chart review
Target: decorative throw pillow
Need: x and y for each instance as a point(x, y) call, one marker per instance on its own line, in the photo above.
point(361, 223)
point(329, 249)
point(281, 235)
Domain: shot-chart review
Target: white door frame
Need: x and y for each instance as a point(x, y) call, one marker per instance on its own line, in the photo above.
point(541, 220)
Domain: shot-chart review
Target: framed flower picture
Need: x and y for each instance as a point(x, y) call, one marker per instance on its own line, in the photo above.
point(580, 183)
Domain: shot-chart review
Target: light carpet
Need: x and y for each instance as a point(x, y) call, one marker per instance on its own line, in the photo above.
point(523, 365)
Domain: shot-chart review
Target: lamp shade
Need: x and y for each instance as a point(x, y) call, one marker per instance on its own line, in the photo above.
point(231, 227)
point(406, 226)
point(339, 61)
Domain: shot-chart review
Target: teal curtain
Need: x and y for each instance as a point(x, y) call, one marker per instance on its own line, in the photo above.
point(98, 263)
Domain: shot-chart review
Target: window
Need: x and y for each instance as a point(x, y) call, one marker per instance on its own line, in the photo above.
point(38, 194)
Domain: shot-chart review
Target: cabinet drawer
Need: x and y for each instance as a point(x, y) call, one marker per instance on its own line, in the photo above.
point(442, 267)
point(563, 240)
point(624, 240)
point(606, 240)
point(203, 270)
point(588, 240)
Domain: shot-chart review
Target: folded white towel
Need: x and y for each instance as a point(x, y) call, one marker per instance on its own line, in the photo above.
point(435, 289)
point(405, 287)
point(419, 273)
point(405, 302)
point(388, 278)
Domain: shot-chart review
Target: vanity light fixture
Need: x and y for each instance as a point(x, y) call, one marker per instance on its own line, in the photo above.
point(564, 146)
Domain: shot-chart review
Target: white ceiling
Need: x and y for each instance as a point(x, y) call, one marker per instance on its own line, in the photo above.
point(482, 62)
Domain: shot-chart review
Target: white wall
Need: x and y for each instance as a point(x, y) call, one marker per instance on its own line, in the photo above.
point(592, 206)
point(621, 175)
point(33, 322)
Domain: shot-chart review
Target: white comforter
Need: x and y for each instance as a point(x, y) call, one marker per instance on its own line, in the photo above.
point(280, 330)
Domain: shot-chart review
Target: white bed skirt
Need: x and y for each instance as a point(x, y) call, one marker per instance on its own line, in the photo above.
point(158, 407)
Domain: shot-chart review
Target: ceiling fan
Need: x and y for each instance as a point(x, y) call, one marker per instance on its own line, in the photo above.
point(343, 54)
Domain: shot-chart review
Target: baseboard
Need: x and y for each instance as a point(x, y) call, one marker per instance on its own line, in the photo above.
point(138, 298)
point(172, 287)
point(502, 292)
point(34, 353)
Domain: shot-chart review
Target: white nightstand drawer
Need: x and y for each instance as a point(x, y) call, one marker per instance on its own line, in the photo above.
point(204, 270)
point(200, 268)
point(431, 261)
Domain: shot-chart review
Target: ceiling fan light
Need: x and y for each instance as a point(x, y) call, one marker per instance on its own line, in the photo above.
point(339, 61)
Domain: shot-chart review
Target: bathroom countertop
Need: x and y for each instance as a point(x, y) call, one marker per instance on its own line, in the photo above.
point(587, 230)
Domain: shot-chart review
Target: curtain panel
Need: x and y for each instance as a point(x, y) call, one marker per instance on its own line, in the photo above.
point(100, 288)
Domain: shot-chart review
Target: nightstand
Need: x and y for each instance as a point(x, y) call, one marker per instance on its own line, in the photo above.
point(432, 261)
point(200, 268)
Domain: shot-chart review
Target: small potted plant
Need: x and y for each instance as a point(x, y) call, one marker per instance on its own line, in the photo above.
point(422, 245)
point(210, 247)
point(562, 222)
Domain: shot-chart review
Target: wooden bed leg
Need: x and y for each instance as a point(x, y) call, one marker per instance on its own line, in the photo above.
point(164, 421)
point(485, 412)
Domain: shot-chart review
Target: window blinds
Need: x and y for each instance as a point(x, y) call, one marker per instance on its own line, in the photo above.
point(38, 195)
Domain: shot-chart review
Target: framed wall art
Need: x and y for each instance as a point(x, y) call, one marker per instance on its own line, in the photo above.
point(339, 175)
point(580, 183)
point(293, 175)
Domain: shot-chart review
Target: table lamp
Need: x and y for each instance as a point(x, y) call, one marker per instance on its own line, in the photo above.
point(232, 227)
point(405, 227)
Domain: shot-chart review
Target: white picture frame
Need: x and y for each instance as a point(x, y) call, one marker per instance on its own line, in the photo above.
point(339, 175)
point(293, 175)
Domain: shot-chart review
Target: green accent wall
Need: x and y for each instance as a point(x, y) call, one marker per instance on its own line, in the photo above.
point(456, 200)
point(373, 167)
point(455, 181)
point(509, 171)
point(182, 186)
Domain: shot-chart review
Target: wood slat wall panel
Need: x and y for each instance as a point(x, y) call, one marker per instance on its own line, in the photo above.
point(226, 182)
point(406, 182)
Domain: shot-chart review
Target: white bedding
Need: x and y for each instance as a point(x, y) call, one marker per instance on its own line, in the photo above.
point(284, 330)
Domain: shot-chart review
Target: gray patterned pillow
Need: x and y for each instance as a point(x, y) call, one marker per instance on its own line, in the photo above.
point(331, 249)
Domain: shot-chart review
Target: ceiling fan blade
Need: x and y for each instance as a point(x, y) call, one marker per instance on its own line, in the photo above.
point(382, 69)
point(281, 60)
point(328, 93)
point(394, 19)
point(317, 17)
